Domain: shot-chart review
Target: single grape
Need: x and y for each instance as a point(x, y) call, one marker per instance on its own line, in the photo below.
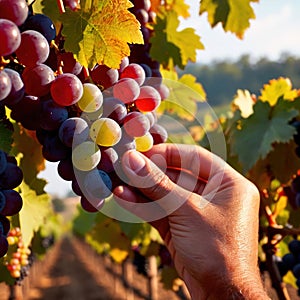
point(89, 207)
point(136, 124)
point(66, 89)
point(105, 132)
point(54, 150)
point(290, 260)
point(14, 10)
point(11, 177)
point(115, 109)
point(296, 270)
point(37, 80)
point(86, 156)
point(13, 203)
point(34, 48)
point(135, 72)
point(69, 63)
point(4, 225)
point(124, 63)
point(73, 131)
point(42, 24)
point(126, 143)
point(159, 134)
point(91, 99)
point(104, 76)
point(3, 161)
point(75, 187)
point(142, 4)
point(148, 99)
point(126, 89)
point(5, 85)
point(65, 169)
point(96, 185)
point(27, 112)
point(163, 91)
point(72, 4)
point(147, 70)
point(108, 158)
point(52, 115)
point(17, 90)
point(144, 143)
point(294, 247)
point(142, 16)
point(10, 37)
point(3, 245)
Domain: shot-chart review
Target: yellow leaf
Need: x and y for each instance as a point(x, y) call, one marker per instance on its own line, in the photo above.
point(277, 88)
point(101, 35)
point(244, 102)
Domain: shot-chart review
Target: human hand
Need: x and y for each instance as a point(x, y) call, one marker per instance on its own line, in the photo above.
point(206, 212)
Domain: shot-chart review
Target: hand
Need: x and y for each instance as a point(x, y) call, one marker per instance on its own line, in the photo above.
point(208, 217)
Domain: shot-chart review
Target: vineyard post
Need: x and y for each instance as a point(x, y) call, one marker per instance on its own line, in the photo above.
point(152, 278)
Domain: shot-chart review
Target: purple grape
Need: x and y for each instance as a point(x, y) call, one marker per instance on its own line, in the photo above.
point(108, 158)
point(65, 169)
point(11, 177)
point(17, 90)
point(54, 150)
point(52, 115)
point(73, 130)
point(3, 245)
point(13, 203)
point(4, 225)
point(114, 108)
point(5, 85)
point(2, 201)
point(3, 161)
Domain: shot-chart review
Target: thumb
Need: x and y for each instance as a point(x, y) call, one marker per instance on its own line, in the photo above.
point(144, 175)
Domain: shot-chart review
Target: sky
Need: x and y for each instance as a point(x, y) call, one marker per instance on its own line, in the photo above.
point(274, 31)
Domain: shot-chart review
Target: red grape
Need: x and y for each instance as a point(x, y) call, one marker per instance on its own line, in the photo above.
point(10, 37)
point(148, 99)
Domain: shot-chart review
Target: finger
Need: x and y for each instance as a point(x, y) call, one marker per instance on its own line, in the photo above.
point(133, 201)
point(199, 161)
point(153, 182)
point(186, 180)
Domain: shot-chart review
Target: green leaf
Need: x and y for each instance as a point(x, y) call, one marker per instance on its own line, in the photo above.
point(83, 222)
point(6, 131)
point(234, 15)
point(101, 34)
point(253, 138)
point(33, 213)
point(169, 43)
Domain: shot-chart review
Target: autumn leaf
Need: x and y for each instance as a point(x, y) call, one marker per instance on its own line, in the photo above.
point(244, 102)
point(277, 88)
point(234, 15)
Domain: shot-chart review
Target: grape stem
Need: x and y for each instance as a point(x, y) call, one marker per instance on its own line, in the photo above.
point(61, 6)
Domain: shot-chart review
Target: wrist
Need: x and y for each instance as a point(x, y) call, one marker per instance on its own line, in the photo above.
point(243, 288)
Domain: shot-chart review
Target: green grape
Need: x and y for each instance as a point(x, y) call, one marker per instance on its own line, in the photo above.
point(92, 98)
point(86, 156)
point(144, 143)
point(105, 132)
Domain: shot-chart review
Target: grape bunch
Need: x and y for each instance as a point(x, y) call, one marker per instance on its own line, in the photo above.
point(84, 119)
point(291, 262)
point(11, 202)
point(17, 260)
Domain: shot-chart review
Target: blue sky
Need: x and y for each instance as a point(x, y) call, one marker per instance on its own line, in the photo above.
point(274, 31)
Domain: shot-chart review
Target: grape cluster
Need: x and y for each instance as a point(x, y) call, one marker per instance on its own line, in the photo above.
point(10, 200)
point(291, 262)
point(17, 260)
point(84, 119)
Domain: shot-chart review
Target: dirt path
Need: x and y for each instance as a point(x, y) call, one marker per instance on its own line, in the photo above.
point(75, 273)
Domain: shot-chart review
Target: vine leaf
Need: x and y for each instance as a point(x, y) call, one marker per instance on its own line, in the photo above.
point(277, 88)
point(99, 32)
point(101, 36)
point(6, 131)
point(244, 102)
point(32, 160)
point(33, 213)
point(234, 15)
point(253, 138)
point(185, 93)
point(109, 232)
point(167, 42)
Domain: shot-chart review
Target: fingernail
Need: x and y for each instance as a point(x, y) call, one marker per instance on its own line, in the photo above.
point(135, 161)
